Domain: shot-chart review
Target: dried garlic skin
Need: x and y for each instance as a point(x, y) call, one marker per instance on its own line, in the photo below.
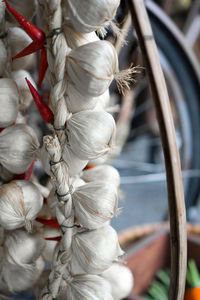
point(121, 280)
point(90, 15)
point(92, 74)
point(9, 102)
point(90, 134)
point(96, 249)
point(20, 202)
point(18, 147)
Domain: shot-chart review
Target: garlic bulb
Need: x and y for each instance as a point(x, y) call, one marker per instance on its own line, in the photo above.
point(24, 7)
point(120, 279)
point(19, 278)
point(92, 74)
point(3, 58)
point(9, 102)
point(76, 39)
point(5, 175)
point(18, 147)
point(76, 102)
point(90, 134)
point(20, 202)
point(103, 172)
point(85, 287)
point(23, 248)
point(92, 14)
point(24, 92)
point(96, 250)
point(95, 203)
point(18, 39)
point(50, 246)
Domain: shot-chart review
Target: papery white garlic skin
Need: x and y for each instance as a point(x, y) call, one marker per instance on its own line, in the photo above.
point(120, 279)
point(95, 203)
point(76, 39)
point(50, 246)
point(18, 39)
point(24, 7)
point(20, 202)
point(19, 278)
point(9, 102)
point(90, 134)
point(5, 175)
point(86, 287)
point(92, 14)
point(95, 250)
point(18, 147)
point(24, 92)
point(103, 172)
point(92, 74)
point(23, 248)
point(3, 58)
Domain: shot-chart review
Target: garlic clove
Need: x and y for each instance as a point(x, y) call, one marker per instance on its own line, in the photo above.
point(18, 148)
point(92, 75)
point(90, 134)
point(9, 102)
point(20, 202)
point(95, 203)
point(121, 280)
point(25, 98)
point(93, 15)
point(95, 250)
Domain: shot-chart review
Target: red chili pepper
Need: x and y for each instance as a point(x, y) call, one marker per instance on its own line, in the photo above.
point(56, 239)
point(34, 32)
point(45, 201)
point(43, 67)
point(26, 175)
point(43, 108)
point(33, 47)
point(1, 129)
point(88, 167)
point(52, 223)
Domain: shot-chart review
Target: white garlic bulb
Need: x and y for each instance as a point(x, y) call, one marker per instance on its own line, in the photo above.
point(90, 134)
point(92, 74)
point(9, 102)
point(92, 14)
point(102, 172)
point(24, 7)
point(18, 39)
point(18, 147)
point(76, 39)
point(50, 246)
point(23, 248)
point(121, 280)
point(96, 250)
point(24, 92)
point(95, 203)
point(18, 278)
point(3, 58)
point(20, 202)
point(85, 287)
point(102, 101)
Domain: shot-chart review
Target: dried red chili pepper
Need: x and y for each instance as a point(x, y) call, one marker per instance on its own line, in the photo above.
point(52, 223)
point(43, 67)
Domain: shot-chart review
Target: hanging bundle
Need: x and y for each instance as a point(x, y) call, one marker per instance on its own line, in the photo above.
point(96, 250)
point(18, 148)
point(90, 15)
point(9, 102)
point(20, 202)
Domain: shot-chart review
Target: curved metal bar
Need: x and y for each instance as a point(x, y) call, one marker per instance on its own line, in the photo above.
point(176, 201)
